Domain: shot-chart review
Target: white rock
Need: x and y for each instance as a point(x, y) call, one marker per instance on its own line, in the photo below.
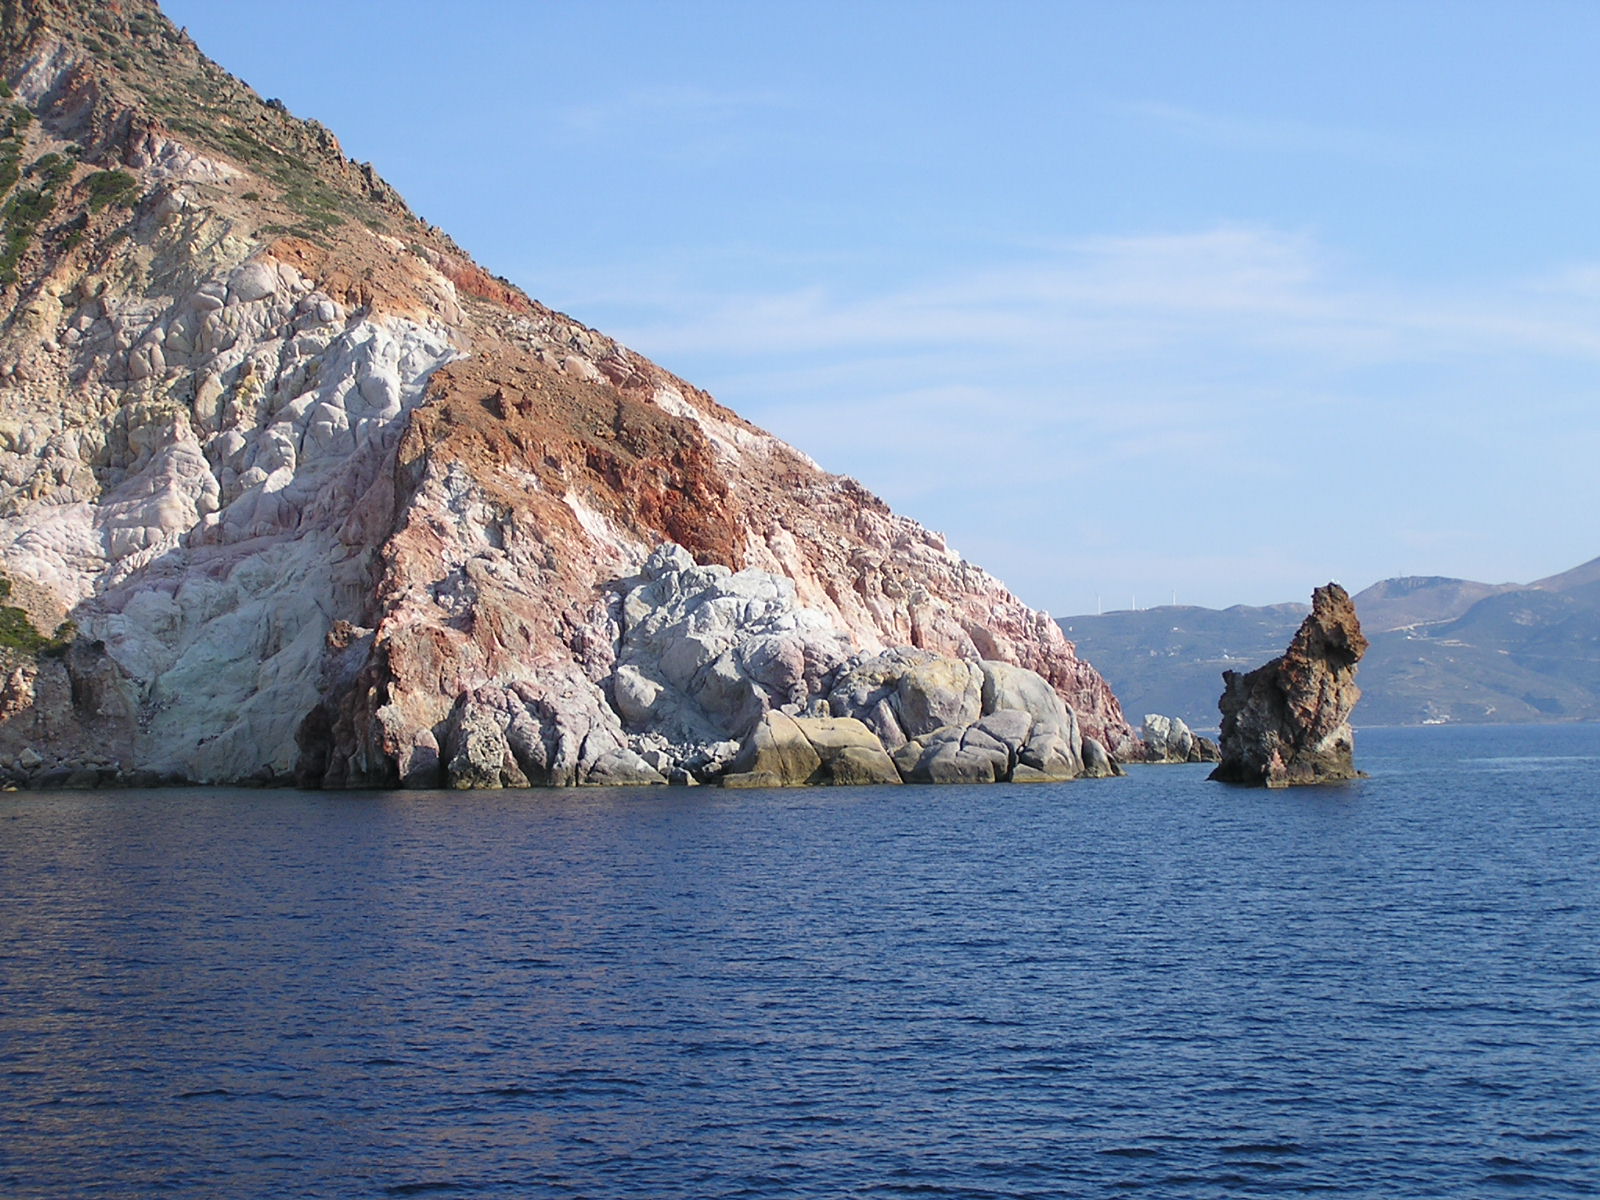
point(705, 651)
point(252, 282)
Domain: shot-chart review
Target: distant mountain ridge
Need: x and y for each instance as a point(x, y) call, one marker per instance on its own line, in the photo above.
point(1413, 600)
point(1444, 650)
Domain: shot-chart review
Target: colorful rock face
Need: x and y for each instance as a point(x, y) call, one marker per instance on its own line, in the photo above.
point(1288, 722)
point(328, 502)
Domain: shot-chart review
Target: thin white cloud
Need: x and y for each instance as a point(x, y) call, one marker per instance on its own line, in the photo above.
point(1175, 389)
point(677, 105)
point(682, 125)
point(1110, 297)
point(1269, 134)
point(1580, 280)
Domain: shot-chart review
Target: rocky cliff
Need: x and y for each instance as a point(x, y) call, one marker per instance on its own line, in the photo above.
point(1288, 722)
point(302, 492)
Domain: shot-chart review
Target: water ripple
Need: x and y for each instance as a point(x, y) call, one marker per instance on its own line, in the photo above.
point(1151, 986)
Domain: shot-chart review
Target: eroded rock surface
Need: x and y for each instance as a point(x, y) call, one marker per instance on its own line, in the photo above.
point(328, 502)
point(1288, 722)
point(705, 651)
point(785, 751)
point(1170, 740)
point(946, 720)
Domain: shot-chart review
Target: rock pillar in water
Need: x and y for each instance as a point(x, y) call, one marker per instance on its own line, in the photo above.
point(1289, 722)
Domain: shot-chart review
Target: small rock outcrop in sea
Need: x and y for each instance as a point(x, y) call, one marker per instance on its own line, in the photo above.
point(1289, 722)
point(1170, 740)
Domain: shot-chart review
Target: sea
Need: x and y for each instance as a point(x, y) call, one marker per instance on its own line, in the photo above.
point(1154, 986)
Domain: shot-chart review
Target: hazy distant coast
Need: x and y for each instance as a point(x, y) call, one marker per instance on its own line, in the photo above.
point(1444, 651)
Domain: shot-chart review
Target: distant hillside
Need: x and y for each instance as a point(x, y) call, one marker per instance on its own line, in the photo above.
point(1443, 650)
point(1169, 660)
point(1420, 600)
point(1567, 581)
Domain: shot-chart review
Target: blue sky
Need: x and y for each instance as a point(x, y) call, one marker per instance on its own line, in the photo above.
point(1129, 299)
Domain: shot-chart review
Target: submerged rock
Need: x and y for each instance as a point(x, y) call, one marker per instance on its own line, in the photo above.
point(1288, 722)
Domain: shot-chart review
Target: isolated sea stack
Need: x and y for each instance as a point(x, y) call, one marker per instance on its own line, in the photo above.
point(291, 489)
point(1289, 722)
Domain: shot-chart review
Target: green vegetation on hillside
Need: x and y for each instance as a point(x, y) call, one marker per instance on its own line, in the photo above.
point(29, 195)
point(111, 187)
point(28, 208)
point(320, 206)
point(211, 109)
point(14, 122)
point(17, 631)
